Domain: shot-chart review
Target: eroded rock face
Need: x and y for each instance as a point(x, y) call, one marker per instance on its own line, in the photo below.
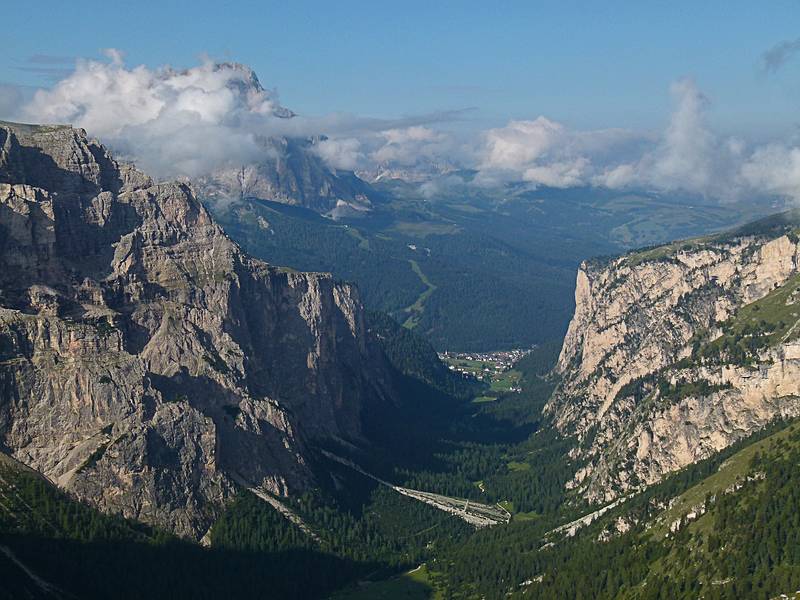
point(634, 320)
point(146, 363)
point(290, 172)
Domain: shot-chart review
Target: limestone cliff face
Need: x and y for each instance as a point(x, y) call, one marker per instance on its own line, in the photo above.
point(146, 363)
point(635, 318)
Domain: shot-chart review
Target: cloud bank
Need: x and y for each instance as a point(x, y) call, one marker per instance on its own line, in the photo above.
point(171, 122)
point(686, 157)
point(544, 152)
point(191, 122)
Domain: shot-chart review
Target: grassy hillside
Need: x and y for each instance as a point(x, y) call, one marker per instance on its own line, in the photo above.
point(786, 222)
point(724, 528)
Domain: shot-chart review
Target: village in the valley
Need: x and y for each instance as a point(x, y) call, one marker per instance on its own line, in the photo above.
point(494, 368)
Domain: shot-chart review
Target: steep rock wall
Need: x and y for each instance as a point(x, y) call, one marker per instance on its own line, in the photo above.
point(636, 317)
point(146, 363)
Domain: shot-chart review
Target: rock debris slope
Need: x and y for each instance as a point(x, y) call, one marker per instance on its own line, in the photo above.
point(677, 352)
point(146, 363)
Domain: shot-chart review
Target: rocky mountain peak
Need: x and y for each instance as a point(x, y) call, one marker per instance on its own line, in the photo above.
point(290, 172)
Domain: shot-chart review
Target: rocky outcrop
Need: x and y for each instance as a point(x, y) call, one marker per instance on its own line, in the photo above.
point(281, 168)
point(636, 318)
point(146, 363)
point(290, 172)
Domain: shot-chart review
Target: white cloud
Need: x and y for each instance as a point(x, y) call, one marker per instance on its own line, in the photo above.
point(340, 153)
point(172, 122)
point(774, 169)
point(408, 145)
point(688, 156)
point(395, 147)
point(194, 121)
point(189, 122)
point(544, 152)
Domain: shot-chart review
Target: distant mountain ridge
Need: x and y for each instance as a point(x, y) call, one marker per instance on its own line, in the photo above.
point(289, 169)
point(290, 173)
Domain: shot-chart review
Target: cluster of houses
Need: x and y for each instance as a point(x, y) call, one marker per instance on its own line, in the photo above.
point(483, 366)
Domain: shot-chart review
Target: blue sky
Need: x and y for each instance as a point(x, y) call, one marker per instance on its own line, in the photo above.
point(587, 64)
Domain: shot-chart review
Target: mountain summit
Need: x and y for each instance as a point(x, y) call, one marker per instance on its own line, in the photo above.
point(288, 169)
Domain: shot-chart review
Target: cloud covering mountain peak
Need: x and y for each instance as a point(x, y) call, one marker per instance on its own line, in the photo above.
point(182, 122)
point(217, 115)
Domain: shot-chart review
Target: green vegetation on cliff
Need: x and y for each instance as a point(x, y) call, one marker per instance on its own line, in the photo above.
point(743, 546)
point(52, 546)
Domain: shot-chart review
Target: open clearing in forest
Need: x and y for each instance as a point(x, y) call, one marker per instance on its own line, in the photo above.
point(416, 309)
point(412, 585)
